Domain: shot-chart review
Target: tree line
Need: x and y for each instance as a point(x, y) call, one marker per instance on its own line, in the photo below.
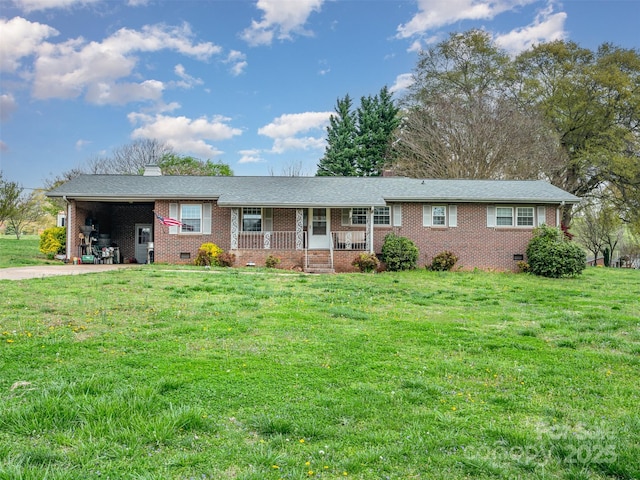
point(557, 111)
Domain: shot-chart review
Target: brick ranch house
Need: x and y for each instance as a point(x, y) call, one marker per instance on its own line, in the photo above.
point(314, 223)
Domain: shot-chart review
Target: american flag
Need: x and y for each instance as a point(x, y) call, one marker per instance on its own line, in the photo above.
point(172, 222)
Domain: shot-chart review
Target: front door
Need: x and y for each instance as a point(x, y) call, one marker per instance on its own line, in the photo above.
point(144, 235)
point(319, 228)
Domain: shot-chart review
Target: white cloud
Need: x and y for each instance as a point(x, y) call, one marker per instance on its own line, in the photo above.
point(21, 38)
point(403, 81)
point(8, 105)
point(68, 69)
point(35, 5)
point(434, 14)
point(238, 62)
point(285, 129)
point(185, 135)
point(250, 156)
point(187, 81)
point(547, 27)
point(280, 20)
point(80, 144)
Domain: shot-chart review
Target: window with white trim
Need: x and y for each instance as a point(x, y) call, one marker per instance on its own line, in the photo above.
point(191, 218)
point(252, 219)
point(439, 215)
point(504, 216)
point(524, 216)
point(358, 216)
point(381, 216)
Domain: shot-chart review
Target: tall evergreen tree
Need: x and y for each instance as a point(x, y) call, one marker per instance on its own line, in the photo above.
point(358, 143)
point(340, 154)
point(377, 120)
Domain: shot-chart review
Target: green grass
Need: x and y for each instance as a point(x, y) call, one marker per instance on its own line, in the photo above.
point(155, 373)
point(21, 253)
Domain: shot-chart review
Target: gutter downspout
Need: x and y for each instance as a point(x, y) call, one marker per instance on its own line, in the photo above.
point(68, 248)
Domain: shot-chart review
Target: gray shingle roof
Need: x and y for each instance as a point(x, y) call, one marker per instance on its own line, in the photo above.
point(307, 191)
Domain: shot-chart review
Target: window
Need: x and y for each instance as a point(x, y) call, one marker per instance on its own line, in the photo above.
point(381, 216)
point(191, 218)
point(504, 216)
point(251, 219)
point(514, 216)
point(439, 216)
point(358, 216)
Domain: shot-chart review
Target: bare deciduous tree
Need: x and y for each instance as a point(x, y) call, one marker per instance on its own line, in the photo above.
point(130, 159)
point(485, 138)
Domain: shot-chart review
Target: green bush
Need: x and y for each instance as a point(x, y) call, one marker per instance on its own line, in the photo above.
point(399, 253)
point(551, 254)
point(53, 241)
point(207, 254)
point(443, 262)
point(272, 261)
point(366, 262)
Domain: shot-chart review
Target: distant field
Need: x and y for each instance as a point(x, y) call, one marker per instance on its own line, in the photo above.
point(23, 252)
point(154, 373)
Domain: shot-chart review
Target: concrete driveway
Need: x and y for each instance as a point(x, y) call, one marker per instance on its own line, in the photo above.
point(40, 271)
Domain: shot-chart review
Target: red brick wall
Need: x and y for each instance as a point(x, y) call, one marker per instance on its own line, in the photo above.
point(476, 245)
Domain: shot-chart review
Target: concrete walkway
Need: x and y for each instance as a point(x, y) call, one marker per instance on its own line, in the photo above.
point(40, 271)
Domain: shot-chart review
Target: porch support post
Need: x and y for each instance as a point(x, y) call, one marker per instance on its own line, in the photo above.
point(235, 227)
point(370, 230)
point(299, 229)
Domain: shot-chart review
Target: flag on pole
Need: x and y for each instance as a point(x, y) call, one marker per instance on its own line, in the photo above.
point(172, 222)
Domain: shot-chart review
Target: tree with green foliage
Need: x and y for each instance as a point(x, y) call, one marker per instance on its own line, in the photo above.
point(551, 254)
point(341, 152)
point(172, 164)
point(588, 103)
point(28, 209)
point(592, 101)
point(10, 193)
point(359, 143)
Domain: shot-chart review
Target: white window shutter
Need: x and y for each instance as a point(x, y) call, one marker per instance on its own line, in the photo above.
point(426, 215)
point(267, 225)
point(397, 215)
point(346, 216)
point(206, 219)
point(542, 215)
point(453, 215)
point(491, 216)
point(173, 213)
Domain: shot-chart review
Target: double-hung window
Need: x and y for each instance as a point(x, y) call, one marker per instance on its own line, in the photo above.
point(251, 219)
point(514, 216)
point(524, 216)
point(191, 218)
point(381, 216)
point(358, 216)
point(504, 216)
point(438, 215)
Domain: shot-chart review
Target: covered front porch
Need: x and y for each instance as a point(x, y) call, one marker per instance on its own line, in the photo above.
point(316, 242)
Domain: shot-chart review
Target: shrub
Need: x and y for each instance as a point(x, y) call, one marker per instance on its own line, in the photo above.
point(523, 266)
point(399, 253)
point(551, 254)
point(443, 262)
point(226, 259)
point(53, 241)
point(272, 261)
point(366, 262)
point(207, 254)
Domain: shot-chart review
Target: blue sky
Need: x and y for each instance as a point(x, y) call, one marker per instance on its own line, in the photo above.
point(248, 83)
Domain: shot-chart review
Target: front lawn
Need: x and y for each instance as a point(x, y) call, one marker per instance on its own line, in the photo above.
point(157, 373)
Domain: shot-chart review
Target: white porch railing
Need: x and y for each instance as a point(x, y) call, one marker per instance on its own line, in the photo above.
point(353, 240)
point(267, 240)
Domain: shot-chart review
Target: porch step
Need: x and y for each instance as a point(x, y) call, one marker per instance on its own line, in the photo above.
point(319, 261)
